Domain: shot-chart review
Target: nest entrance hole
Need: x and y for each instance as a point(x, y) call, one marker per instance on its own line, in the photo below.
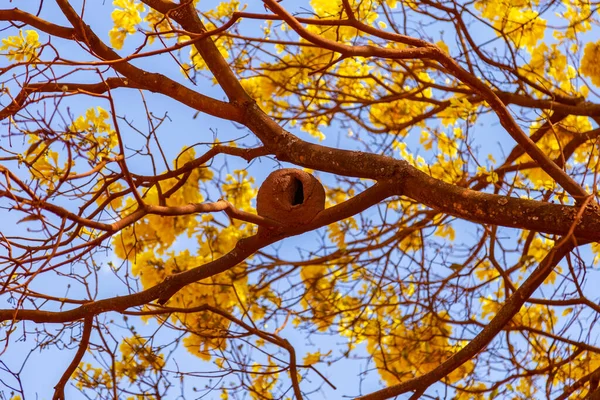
point(297, 192)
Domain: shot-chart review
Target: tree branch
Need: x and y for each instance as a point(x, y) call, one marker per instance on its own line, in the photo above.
point(503, 317)
point(173, 283)
point(59, 389)
point(152, 81)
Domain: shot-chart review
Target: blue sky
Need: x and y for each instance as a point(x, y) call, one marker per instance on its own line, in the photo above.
point(181, 130)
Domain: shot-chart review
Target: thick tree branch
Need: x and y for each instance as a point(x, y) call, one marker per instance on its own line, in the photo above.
point(55, 30)
point(503, 317)
point(430, 51)
point(172, 284)
point(152, 81)
point(510, 308)
point(187, 16)
point(450, 199)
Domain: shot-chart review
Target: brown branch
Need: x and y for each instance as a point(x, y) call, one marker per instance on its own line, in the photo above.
point(247, 154)
point(409, 181)
point(67, 87)
point(567, 391)
point(269, 337)
point(503, 317)
point(55, 30)
point(148, 209)
point(152, 81)
point(430, 51)
point(185, 14)
point(514, 213)
point(94, 170)
point(59, 389)
point(424, 50)
point(576, 107)
point(245, 247)
point(496, 325)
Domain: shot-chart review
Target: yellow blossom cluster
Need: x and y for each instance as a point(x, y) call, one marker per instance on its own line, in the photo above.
point(590, 66)
point(515, 20)
point(126, 17)
point(146, 244)
point(156, 232)
point(22, 48)
point(138, 358)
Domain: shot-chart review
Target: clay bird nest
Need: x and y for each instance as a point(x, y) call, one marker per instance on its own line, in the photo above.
point(290, 196)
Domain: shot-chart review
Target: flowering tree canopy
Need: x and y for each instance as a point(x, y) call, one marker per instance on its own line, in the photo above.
point(434, 226)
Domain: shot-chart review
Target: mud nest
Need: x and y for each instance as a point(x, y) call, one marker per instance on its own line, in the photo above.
point(291, 197)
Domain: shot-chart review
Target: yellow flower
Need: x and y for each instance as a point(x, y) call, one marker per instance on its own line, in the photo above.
point(312, 358)
point(326, 8)
point(590, 66)
point(21, 48)
point(125, 18)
